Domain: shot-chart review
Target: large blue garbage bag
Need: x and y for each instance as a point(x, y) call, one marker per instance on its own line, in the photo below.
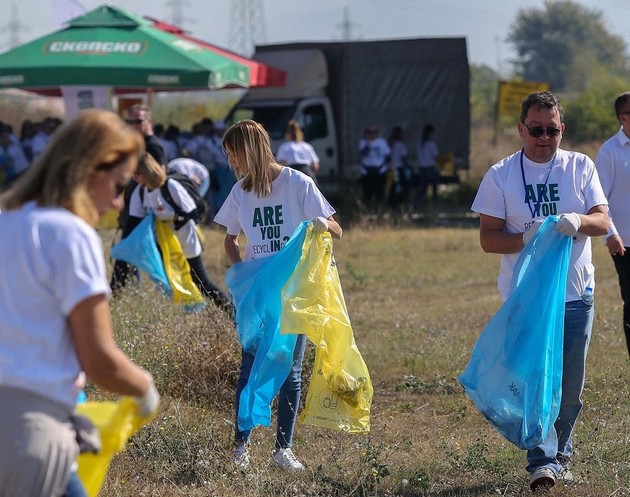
point(140, 249)
point(256, 289)
point(514, 376)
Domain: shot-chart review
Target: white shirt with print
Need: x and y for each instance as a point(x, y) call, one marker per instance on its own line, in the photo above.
point(568, 183)
point(269, 222)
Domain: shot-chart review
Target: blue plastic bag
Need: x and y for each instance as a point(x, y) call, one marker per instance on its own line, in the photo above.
point(514, 376)
point(140, 249)
point(256, 289)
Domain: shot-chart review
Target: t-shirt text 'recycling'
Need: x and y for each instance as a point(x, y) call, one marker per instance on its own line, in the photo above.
point(268, 220)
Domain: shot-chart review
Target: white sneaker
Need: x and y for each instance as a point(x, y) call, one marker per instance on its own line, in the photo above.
point(286, 459)
point(566, 476)
point(241, 456)
point(542, 477)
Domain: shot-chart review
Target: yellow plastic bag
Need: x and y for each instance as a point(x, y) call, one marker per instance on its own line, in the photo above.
point(109, 220)
point(176, 266)
point(116, 423)
point(340, 392)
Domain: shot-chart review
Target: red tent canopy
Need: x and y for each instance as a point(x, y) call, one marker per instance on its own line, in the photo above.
point(260, 74)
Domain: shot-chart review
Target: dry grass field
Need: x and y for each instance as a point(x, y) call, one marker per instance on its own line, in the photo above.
point(418, 297)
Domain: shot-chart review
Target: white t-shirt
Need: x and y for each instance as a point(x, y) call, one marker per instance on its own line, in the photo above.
point(569, 183)
point(154, 201)
point(53, 261)
point(399, 154)
point(613, 167)
point(190, 167)
point(427, 154)
point(269, 222)
point(374, 153)
point(296, 153)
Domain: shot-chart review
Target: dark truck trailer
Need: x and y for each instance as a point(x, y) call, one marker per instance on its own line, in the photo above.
point(336, 89)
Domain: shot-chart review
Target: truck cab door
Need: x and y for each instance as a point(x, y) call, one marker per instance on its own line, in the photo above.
point(316, 120)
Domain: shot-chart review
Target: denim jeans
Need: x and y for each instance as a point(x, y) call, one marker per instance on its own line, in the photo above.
point(75, 488)
point(556, 450)
point(288, 397)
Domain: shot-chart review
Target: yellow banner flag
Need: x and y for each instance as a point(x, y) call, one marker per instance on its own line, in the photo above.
point(512, 93)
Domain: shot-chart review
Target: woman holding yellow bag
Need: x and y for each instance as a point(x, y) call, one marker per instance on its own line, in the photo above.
point(148, 197)
point(267, 204)
point(54, 312)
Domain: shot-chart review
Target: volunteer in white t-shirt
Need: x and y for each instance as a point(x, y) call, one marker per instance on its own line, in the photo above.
point(267, 204)
point(54, 312)
point(613, 166)
point(148, 197)
point(514, 197)
point(297, 153)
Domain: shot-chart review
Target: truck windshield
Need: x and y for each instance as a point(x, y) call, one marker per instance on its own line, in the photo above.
point(274, 118)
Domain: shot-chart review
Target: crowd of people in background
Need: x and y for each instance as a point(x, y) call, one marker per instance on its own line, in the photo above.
point(389, 176)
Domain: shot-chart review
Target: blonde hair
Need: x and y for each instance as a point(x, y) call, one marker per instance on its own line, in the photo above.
point(249, 142)
point(95, 140)
point(294, 132)
point(152, 171)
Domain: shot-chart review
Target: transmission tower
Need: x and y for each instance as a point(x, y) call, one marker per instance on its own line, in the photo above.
point(247, 26)
point(347, 26)
point(178, 18)
point(14, 27)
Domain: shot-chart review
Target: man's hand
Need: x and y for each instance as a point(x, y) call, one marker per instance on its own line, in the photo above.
point(615, 245)
point(569, 224)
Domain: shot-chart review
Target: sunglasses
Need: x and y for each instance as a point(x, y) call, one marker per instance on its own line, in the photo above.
point(134, 121)
point(538, 131)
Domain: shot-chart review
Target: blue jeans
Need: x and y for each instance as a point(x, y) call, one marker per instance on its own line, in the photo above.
point(288, 397)
point(75, 488)
point(557, 449)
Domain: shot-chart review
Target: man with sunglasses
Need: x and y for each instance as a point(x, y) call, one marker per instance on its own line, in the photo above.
point(514, 198)
point(613, 166)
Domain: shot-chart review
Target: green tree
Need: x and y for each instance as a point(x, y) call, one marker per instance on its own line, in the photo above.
point(591, 115)
point(565, 44)
point(483, 93)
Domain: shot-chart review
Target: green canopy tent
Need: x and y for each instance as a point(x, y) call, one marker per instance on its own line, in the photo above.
point(111, 47)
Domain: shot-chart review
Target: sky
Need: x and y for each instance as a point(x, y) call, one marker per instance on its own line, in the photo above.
point(484, 23)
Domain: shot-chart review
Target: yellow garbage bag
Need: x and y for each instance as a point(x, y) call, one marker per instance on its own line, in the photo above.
point(340, 392)
point(109, 220)
point(116, 423)
point(176, 266)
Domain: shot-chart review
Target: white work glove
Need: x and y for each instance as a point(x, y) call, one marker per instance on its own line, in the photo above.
point(150, 401)
point(569, 224)
point(320, 224)
point(529, 234)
